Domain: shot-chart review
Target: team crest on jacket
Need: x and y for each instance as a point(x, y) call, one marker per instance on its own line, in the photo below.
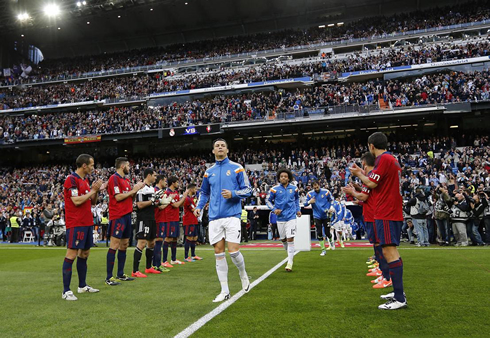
point(290, 191)
point(228, 173)
point(116, 190)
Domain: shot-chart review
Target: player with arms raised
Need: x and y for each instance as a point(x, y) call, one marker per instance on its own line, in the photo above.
point(283, 200)
point(384, 180)
point(79, 223)
point(224, 185)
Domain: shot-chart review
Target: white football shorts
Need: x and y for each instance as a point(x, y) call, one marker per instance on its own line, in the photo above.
point(287, 229)
point(228, 228)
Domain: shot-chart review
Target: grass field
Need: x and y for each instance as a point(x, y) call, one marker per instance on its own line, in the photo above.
point(447, 290)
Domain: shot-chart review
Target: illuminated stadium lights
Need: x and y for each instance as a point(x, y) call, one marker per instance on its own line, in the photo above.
point(88, 22)
point(454, 127)
point(331, 24)
point(51, 10)
point(23, 16)
point(321, 26)
point(79, 4)
point(340, 24)
point(151, 9)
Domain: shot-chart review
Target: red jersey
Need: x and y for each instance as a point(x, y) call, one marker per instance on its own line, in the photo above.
point(160, 215)
point(119, 185)
point(172, 213)
point(189, 205)
point(368, 205)
point(80, 216)
point(387, 174)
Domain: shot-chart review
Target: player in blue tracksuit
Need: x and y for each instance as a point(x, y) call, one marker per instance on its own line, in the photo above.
point(338, 220)
point(283, 200)
point(225, 184)
point(321, 202)
point(348, 222)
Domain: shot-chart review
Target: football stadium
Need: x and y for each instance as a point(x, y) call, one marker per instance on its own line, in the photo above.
point(229, 168)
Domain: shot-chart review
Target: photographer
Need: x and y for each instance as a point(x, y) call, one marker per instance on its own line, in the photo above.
point(442, 212)
point(419, 207)
point(486, 215)
point(477, 208)
point(408, 224)
point(460, 212)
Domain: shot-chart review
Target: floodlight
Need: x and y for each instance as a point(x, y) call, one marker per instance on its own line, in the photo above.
point(52, 10)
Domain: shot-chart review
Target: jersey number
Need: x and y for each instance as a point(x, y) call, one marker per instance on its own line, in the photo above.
point(80, 236)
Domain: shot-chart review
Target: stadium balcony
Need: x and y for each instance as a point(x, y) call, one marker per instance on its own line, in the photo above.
point(241, 58)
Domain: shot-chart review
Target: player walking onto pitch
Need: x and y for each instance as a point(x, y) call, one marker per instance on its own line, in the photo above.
point(321, 202)
point(224, 185)
point(384, 180)
point(79, 223)
point(338, 221)
point(120, 209)
point(283, 200)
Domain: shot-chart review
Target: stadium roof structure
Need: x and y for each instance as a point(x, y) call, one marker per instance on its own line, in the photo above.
point(99, 26)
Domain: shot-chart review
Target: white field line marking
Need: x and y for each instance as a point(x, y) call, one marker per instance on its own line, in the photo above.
point(206, 318)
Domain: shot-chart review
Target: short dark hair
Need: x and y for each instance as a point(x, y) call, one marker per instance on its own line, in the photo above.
point(120, 161)
point(368, 158)
point(220, 139)
point(148, 171)
point(378, 140)
point(315, 182)
point(191, 186)
point(159, 178)
point(171, 180)
point(83, 159)
point(287, 171)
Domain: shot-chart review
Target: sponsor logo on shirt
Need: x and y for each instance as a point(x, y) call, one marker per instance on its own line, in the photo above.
point(116, 190)
point(74, 192)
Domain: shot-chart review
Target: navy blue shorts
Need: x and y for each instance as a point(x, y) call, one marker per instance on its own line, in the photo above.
point(161, 229)
point(190, 230)
point(388, 232)
point(121, 227)
point(80, 238)
point(173, 229)
point(370, 232)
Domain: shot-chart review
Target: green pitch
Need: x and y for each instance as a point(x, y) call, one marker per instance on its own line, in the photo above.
point(447, 291)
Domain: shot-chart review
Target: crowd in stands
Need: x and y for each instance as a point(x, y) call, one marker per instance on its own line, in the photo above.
point(460, 166)
point(135, 87)
point(428, 89)
point(371, 27)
